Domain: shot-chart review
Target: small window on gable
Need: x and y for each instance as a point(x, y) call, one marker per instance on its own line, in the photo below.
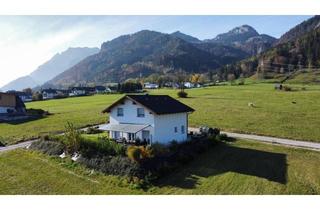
point(182, 129)
point(140, 112)
point(120, 112)
point(176, 129)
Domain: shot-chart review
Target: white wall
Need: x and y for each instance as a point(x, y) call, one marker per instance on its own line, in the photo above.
point(130, 114)
point(164, 127)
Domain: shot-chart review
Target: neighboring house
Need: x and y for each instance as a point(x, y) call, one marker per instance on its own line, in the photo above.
point(81, 91)
point(148, 85)
point(11, 104)
point(151, 118)
point(25, 97)
point(49, 93)
point(101, 89)
point(188, 85)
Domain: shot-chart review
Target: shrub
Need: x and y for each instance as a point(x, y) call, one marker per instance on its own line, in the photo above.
point(287, 88)
point(225, 137)
point(222, 137)
point(93, 130)
point(159, 149)
point(72, 138)
point(122, 166)
point(134, 153)
point(37, 112)
point(2, 144)
point(182, 94)
point(54, 148)
point(102, 147)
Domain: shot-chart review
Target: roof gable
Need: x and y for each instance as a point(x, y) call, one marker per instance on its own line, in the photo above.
point(159, 104)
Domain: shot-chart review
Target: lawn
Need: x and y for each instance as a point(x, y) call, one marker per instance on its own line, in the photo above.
point(292, 114)
point(242, 167)
point(81, 111)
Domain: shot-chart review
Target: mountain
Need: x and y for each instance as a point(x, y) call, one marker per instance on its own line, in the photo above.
point(56, 65)
point(245, 38)
point(20, 83)
point(141, 54)
point(186, 37)
point(300, 53)
point(300, 30)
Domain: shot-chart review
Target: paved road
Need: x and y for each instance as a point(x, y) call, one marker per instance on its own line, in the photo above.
point(273, 140)
point(16, 146)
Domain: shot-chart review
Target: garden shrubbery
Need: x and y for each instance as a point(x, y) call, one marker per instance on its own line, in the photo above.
point(135, 162)
point(54, 148)
point(93, 130)
point(182, 94)
point(102, 147)
point(2, 144)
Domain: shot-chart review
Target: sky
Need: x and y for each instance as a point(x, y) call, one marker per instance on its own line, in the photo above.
point(28, 41)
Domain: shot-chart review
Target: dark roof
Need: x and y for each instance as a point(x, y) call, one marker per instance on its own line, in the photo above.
point(54, 91)
point(19, 93)
point(159, 104)
point(89, 89)
point(100, 88)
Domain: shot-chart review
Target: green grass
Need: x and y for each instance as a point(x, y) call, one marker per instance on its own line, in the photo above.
point(81, 111)
point(243, 167)
point(225, 107)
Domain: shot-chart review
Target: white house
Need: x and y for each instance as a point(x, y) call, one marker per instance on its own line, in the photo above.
point(49, 93)
point(148, 85)
point(151, 118)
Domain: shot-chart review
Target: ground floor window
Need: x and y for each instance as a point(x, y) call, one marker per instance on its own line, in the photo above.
point(182, 129)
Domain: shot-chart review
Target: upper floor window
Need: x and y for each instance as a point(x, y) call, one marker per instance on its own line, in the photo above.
point(176, 129)
point(120, 112)
point(140, 112)
point(182, 129)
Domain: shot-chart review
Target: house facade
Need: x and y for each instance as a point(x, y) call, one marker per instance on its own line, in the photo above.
point(49, 93)
point(150, 118)
point(11, 104)
point(25, 97)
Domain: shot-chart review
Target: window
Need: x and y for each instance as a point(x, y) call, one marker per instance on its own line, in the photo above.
point(140, 112)
point(176, 129)
point(182, 129)
point(120, 112)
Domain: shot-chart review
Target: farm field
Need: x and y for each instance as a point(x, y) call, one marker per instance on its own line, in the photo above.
point(292, 114)
point(241, 167)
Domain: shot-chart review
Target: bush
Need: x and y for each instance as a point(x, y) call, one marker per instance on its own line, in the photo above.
point(139, 153)
point(159, 149)
point(122, 166)
point(93, 130)
point(48, 147)
point(72, 138)
point(2, 144)
point(182, 94)
point(37, 112)
point(287, 88)
point(102, 147)
point(134, 153)
point(225, 137)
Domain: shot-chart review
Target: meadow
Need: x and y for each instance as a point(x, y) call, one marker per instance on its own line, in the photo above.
point(241, 167)
point(293, 114)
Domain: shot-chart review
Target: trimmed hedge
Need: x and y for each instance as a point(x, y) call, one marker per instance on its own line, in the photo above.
point(116, 165)
point(54, 148)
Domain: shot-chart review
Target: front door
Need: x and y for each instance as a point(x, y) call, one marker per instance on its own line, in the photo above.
point(145, 135)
